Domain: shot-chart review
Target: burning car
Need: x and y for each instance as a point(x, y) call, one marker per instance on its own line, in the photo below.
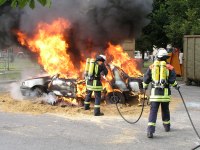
point(120, 83)
point(57, 52)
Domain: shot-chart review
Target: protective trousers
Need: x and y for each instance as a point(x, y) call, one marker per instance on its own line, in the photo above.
point(97, 101)
point(153, 115)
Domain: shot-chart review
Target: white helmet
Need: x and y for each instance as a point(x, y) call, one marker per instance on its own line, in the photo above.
point(103, 56)
point(162, 53)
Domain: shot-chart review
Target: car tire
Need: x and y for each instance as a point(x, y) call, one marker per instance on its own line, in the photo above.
point(116, 97)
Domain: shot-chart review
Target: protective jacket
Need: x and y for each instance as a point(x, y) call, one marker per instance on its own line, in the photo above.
point(158, 93)
point(95, 84)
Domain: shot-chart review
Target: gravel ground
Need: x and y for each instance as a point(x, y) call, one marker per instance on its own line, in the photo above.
point(22, 131)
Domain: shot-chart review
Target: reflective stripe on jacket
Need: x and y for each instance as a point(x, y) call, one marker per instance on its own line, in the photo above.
point(160, 95)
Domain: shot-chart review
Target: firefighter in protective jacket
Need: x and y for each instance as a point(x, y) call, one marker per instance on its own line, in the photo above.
point(93, 71)
point(162, 76)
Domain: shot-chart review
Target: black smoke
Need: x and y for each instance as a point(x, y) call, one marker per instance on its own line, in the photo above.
point(9, 20)
point(94, 22)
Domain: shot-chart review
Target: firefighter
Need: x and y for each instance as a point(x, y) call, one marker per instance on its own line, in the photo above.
point(94, 70)
point(162, 76)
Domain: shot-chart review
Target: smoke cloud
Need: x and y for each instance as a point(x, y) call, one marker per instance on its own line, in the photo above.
point(9, 20)
point(94, 22)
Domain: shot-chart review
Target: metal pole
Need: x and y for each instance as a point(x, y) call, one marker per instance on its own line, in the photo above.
point(8, 56)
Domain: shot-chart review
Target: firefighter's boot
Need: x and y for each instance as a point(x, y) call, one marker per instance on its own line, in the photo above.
point(149, 134)
point(167, 128)
point(97, 112)
point(87, 105)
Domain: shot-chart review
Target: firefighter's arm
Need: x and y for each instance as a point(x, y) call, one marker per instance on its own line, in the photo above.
point(147, 78)
point(172, 79)
point(104, 70)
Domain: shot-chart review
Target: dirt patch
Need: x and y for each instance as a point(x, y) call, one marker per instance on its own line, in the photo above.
point(35, 106)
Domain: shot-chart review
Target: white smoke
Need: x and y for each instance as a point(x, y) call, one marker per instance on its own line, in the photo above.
point(49, 98)
point(14, 88)
point(15, 92)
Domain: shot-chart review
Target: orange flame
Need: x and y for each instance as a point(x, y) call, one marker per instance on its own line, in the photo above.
point(121, 59)
point(48, 41)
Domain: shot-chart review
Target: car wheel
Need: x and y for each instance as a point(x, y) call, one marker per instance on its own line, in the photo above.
point(112, 98)
point(37, 92)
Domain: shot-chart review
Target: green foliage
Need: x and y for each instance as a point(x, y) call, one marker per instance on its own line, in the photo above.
point(23, 3)
point(154, 33)
point(170, 21)
point(43, 2)
point(32, 4)
point(2, 2)
point(176, 15)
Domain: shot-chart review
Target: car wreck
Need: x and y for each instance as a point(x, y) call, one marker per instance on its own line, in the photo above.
point(123, 86)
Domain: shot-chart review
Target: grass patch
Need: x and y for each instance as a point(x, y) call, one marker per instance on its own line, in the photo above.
point(15, 69)
point(10, 76)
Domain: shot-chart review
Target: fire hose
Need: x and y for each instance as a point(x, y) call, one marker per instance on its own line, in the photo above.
point(190, 119)
point(116, 101)
point(133, 122)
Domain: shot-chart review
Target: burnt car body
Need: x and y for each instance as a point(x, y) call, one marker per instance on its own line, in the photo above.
point(63, 87)
point(35, 86)
point(45, 84)
point(122, 85)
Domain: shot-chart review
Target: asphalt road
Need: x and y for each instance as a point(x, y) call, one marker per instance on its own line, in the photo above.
point(49, 132)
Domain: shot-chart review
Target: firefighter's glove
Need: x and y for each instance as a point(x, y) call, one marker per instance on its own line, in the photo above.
point(177, 87)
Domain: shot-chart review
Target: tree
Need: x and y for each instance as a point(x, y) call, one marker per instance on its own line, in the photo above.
point(175, 29)
point(192, 24)
point(170, 21)
point(23, 3)
point(154, 33)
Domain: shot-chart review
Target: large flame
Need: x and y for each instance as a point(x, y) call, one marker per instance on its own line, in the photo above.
point(121, 59)
point(49, 43)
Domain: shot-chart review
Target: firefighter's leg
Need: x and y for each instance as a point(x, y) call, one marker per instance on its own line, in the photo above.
point(153, 117)
point(87, 100)
point(166, 116)
point(97, 111)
